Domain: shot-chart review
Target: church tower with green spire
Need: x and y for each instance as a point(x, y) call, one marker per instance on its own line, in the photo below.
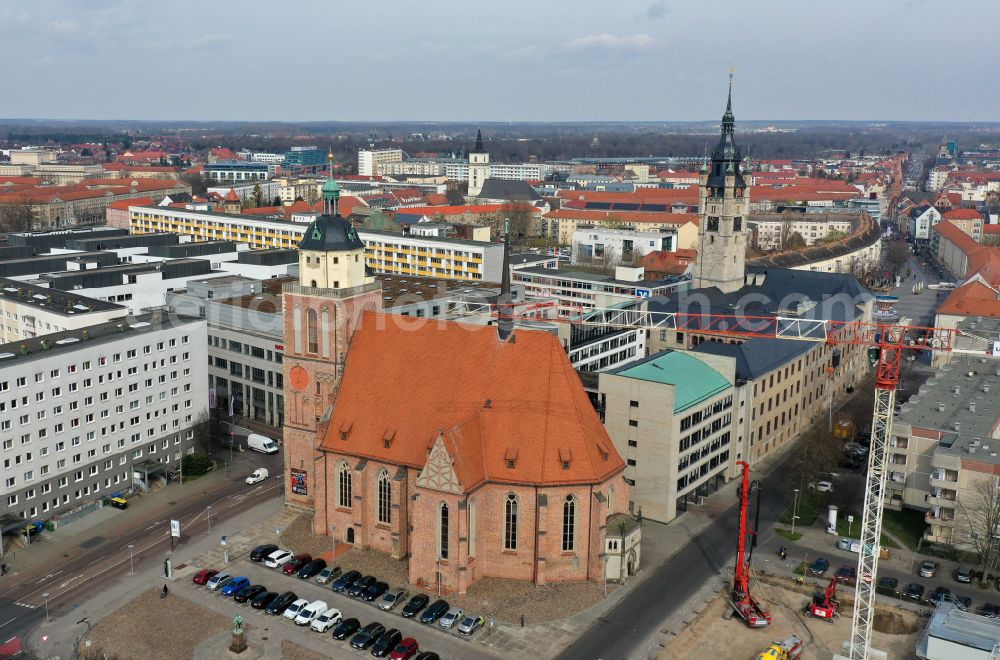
point(321, 312)
point(724, 207)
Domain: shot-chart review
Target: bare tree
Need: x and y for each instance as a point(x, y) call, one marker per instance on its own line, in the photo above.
point(981, 519)
point(204, 439)
point(16, 217)
point(897, 256)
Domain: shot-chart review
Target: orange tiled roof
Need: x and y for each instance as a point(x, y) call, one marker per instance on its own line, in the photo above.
point(643, 195)
point(991, 229)
point(231, 196)
point(974, 298)
point(436, 199)
point(412, 383)
point(962, 214)
point(125, 203)
point(454, 210)
point(672, 263)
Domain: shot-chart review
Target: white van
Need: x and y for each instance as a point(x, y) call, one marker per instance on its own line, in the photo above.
point(260, 474)
point(262, 443)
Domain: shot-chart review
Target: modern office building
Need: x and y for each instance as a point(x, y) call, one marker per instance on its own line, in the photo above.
point(670, 416)
point(88, 412)
point(304, 160)
point(369, 160)
point(615, 246)
point(578, 292)
point(236, 171)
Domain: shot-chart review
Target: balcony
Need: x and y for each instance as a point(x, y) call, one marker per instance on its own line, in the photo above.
point(946, 518)
point(944, 479)
point(946, 502)
point(937, 538)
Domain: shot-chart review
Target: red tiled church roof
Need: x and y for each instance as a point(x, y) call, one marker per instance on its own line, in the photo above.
point(490, 401)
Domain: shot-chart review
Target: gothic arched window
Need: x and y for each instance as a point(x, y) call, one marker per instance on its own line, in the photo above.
point(384, 498)
point(344, 486)
point(312, 328)
point(569, 524)
point(510, 523)
point(443, 531)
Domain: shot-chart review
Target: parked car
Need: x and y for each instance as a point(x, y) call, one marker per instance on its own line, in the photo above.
point(218, 580)
point(247, 593)
point(416, 604)
point(345, 581)
point(327, 619)
point(819, 566)
point(386, 642)
point(375, 591)
point(847, 572)
point(204, 575)
point(261, 552)
point(311, 569)
point(821, 486)
point(450, 617)
point(234, 585)
point(434, 612)
point(405, 649)
point(964, 601)
point(295, 562)
point(277, 558)
point(329, 574)
point(360, 585)
point(427, 655)
point(297, 606)
point(471, 624)
point(928, 569)
point(940, 594)
point(262, 600)
point(367, 635)
point(963, 575)
point(914, 591)
point(310, 612)
point(346, 628)
point(281, 602)
point(888, 582)
point(392, 598)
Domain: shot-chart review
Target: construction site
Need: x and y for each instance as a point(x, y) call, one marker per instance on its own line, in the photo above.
point(897, 630)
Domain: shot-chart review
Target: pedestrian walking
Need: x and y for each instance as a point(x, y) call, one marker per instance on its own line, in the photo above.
point(3, 569)
point(522, 620)
point(165, 592)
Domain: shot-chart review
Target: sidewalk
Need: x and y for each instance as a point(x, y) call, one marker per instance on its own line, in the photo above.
point(58, 637)
point(143, 508)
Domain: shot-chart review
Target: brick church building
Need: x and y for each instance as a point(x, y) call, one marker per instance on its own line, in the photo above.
point(471, 451)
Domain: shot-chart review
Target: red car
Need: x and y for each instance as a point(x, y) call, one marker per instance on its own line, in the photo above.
point(405, 649)
point(295, 563)
point(203, 576)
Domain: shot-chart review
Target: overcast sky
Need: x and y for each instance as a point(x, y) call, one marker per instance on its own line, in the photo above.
point(538, 60)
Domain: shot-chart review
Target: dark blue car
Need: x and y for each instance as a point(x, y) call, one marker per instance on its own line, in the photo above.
point(235, 585)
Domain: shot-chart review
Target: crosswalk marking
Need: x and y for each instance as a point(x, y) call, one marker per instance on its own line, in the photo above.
point(30, 607)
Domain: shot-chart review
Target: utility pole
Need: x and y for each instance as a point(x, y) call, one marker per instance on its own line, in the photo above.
point(208, 510)
point(795, 509)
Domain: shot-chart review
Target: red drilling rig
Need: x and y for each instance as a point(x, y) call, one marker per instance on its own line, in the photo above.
point(743, 602)
point(825, 605)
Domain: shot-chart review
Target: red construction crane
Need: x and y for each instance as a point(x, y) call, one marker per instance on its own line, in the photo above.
point(885, 342)
point(743, 602)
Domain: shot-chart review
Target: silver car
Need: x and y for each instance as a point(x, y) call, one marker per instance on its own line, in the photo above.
point(451, 616)
point(470, 624)
point(391, 599)
point(928, 569)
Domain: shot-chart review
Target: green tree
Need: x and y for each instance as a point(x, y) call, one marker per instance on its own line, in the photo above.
point(258, 195)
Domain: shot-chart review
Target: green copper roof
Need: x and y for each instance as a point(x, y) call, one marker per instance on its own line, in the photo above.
point(330, 187)
point(693, 380)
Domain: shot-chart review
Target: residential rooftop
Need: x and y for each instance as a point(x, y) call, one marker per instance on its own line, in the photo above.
point(25, 350)
point(693, 380)
point(53, 300)
point(952, 624)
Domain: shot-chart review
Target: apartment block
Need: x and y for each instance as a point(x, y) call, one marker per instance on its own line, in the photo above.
point(28, 310)
point(88, 412)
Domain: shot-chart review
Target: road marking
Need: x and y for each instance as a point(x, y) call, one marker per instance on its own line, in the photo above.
point(48, 577)
point(7, 622)
point(69, 580)
point(97, 560)
point(30, 607)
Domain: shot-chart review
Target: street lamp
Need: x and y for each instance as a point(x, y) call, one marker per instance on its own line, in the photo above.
point(46, 597)
point(333, 540)
point(131, 565)
point(795, 509)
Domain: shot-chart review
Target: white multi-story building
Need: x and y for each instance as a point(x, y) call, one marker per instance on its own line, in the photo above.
point(812, 227)
point(268, 191)
point(616, 245)
point(27, 311)
point(370, 159)
point(578, 292)
point(85, 413)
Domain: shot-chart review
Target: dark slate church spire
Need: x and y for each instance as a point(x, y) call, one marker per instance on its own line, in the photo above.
point(478, 149)
point(505, 304)
point(726, 156)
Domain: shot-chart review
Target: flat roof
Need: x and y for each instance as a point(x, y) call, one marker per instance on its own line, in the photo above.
point(531, 258)
point(428, 239)
point(952, 624)
point(596, 277)
point(693, 380)
point(56, 343)
point(64, 303)
point(395, 287)
point(268, 301)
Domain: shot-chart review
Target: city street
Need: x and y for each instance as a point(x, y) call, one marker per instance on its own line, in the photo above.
point(57, 571)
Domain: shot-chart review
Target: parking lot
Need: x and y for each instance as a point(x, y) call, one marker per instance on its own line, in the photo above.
point(446, 643)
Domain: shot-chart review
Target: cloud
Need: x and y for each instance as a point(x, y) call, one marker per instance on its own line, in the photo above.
point(209, 40)
point(63, 27)
point(658, 9)
point(624, 42)
point(10, 16)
